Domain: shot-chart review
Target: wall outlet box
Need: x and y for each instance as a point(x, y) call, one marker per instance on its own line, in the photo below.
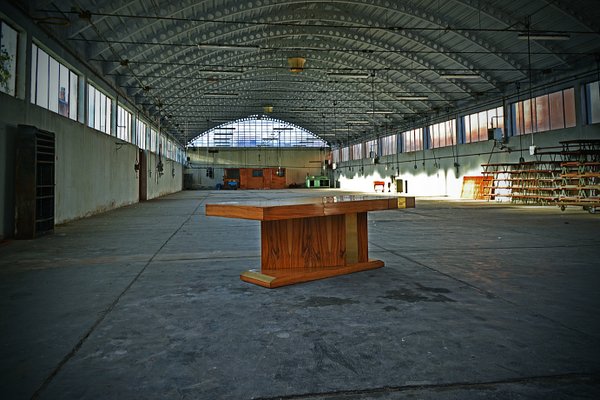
point(532, 150)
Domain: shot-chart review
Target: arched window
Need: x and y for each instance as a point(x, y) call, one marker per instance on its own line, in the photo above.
point(257, 131)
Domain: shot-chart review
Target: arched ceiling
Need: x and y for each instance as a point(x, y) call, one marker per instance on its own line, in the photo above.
point(200, 63)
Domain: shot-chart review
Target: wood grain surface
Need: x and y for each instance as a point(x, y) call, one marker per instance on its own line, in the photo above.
point(272, 210)
point(302, 243)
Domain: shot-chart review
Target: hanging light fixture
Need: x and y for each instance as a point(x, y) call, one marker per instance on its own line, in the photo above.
point(296, 64)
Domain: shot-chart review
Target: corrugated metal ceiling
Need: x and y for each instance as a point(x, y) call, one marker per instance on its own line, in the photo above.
point(150, 51)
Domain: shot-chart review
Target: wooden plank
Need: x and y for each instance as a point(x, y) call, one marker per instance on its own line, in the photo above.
point(234, 211)
point(308, 207)
point(292, 211)
point(351, 235)
point(361, 205)
point(278, 278)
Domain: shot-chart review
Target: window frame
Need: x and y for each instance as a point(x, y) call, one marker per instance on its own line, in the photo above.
point(42, 84)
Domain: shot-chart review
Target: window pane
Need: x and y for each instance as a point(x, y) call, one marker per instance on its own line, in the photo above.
point(542, 113)
point(101, 111)
point(8, 44)
point(121, 132)
point(408, 141)
point(569, 101)
point(97, 114)
point(474, 127)
point(499, 120)
point(557, 114)
point(527, 116)
point(63, 91)
point(108, 114)
point(73, 95)
point(42, 79)
point(91, 101)
point(152, 140)
point(593, 98)
point(141, 135)
point(483, 126)
point(34, 63)
point(517, 109)
point(53, 86)
point(450, 132)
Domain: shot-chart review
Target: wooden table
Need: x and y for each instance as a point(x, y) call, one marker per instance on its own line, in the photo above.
point(310, 238)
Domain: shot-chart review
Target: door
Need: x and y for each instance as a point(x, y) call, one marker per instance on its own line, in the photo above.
point(143, 175)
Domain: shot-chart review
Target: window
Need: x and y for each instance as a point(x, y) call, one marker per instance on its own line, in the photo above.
point(140, 133)
point(257, 173)
point(99, 110)
point(412, 140)
point(336, 155)
point(153, 145)
point(442, 134)
point(592, 94)
point(123, 124)
point(162, 145)
point(389, 145)
point(357, 151)
point(345, 153)
point(232, 173)
point(371, 148)
point(172, 149)
point(258, 131)
point(8, 59)
point(570, 114)
point(53, 85)
point(477, 124)
point(543, 113)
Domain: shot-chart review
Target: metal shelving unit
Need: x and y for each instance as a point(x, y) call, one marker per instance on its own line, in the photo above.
point(34, 182)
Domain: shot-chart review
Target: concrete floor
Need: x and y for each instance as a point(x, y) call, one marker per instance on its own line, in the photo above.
point(476, 301)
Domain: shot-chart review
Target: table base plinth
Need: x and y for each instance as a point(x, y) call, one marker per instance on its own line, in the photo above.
point(284, 277)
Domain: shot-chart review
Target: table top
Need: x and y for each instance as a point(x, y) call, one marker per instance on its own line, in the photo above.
point(305, 207)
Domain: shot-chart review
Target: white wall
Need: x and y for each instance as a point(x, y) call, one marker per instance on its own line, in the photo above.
point(169, 181)
point(433, 172)
point(94, 171)
point(297, 161)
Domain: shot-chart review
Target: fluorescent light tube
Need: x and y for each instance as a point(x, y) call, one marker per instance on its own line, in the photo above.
point(459, 76)
point(543, 36)
point(402, 97)
point(221, 94)
point(205, 46)
point(349, 75)
point(220, 72)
